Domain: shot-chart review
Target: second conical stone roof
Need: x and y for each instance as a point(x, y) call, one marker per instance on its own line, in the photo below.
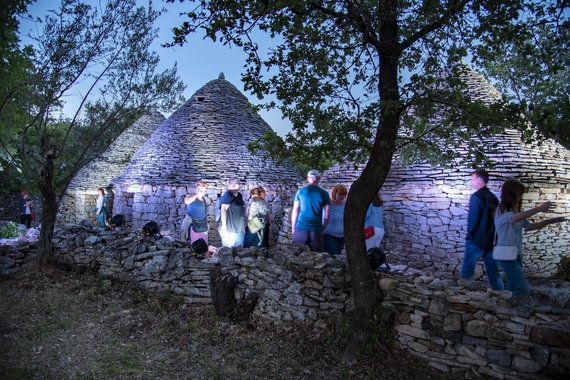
point(207, 139)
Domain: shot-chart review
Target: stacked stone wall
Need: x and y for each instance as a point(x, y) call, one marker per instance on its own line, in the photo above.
point(426, 206)
point(165, 204)
point(457, 330)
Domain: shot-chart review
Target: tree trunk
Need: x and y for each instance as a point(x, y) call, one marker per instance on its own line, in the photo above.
point(49, 212)
point(366, 292)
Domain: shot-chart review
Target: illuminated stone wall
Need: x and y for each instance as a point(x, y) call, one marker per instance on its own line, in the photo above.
point(426, 207)
point(205, 139)
point(79, 200)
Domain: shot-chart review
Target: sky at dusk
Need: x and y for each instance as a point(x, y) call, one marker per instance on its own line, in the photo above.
point(199, 61)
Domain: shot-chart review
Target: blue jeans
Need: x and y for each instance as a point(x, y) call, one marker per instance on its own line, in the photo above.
point(472, 255)
point(516, 280)
point(333, 244)
point(102, 217)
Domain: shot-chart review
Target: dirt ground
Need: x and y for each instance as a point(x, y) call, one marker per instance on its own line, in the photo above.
point(57, 324)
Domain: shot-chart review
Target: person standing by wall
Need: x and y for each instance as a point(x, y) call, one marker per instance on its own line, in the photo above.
point(374, 222)
point(258, 220)
point(197, 211)
point(101, 208)
point(481, 231)
point(310, 215)
point(25, 209)
point(509, 223)
point(232, 230)
point(334, 234)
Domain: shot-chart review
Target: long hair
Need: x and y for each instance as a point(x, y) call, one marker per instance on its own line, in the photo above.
point(338, 189)
point(258, 192)
point(377, 200)
point(101, 190)
point(511, 195)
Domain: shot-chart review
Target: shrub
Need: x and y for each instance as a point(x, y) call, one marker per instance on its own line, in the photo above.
point(9, 230)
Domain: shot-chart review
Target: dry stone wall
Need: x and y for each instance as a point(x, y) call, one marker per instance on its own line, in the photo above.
point(79, 201)
point(426, 206)
point(463, 331)
point(165, 204)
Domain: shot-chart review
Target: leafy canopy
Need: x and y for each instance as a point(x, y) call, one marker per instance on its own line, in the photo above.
point(100, 58)
point(324, 61)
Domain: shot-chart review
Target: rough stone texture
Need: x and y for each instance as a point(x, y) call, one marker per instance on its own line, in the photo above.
point(426, 206)
point(80, 198)
point(205, 139)
point(456, 330)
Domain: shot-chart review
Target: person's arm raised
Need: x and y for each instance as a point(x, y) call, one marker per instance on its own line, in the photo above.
point(543, 207)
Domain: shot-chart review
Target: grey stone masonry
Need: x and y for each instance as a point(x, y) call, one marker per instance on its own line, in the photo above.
point(426, 206)
point(80, 197)
point(207, 139)
point(463, 331)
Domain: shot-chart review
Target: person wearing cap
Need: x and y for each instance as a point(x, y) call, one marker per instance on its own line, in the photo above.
point(310, 214)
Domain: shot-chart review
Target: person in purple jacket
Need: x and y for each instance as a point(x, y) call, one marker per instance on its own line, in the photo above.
point(481, 231)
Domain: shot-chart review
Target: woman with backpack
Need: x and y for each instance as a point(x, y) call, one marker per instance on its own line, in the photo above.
point(509, 223)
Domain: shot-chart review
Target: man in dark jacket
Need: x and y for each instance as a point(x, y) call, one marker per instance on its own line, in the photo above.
point(481, 231)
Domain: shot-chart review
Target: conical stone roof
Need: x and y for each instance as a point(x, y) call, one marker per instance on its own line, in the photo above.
point(111, 163)
point(207, 139)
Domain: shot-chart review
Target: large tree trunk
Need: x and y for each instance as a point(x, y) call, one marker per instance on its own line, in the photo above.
point(366, 292)
point(49, 212)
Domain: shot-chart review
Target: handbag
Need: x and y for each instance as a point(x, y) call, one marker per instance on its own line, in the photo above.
point(368, 232)
point(200, 225)
point(505, 252)
point(33, 216)
point(255, 224)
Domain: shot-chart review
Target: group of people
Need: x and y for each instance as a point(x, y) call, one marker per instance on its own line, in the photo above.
point(495, 232)
point(239, 224)
point(317, 219)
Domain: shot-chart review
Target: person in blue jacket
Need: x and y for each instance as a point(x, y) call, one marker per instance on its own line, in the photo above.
point(481, 231)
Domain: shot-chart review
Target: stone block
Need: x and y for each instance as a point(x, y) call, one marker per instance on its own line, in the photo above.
point(412, 331)
point(452, 322)
point(499, 357)
point(480, 328)
point(526, 365)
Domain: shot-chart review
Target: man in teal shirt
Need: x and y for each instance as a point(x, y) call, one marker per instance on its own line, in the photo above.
point(310, 214)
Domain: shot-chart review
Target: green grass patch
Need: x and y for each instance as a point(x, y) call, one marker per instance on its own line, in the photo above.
point(123, 361)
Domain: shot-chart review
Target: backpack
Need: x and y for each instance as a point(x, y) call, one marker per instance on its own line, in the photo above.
point(376, 258)
point(117, 220)
point(151, 228)
point(200, 246)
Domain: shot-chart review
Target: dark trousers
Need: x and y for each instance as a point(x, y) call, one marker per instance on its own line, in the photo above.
point(311, 238)
point(26, 219)
point(333, 244)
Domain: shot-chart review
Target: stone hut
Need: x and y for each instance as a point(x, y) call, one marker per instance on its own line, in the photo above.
point(207, 138)
point(426, 206)
point(80, 198)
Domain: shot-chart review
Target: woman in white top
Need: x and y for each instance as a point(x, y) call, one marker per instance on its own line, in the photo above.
point(375, 221)
point(509, 223)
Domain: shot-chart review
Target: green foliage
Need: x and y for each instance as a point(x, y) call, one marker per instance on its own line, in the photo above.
point(100, 56)
point(563, 271)
point(325, 69)
point(532, 69)
point(9, 231)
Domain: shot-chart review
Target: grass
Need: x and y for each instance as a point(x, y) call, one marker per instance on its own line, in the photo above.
point(63, 325)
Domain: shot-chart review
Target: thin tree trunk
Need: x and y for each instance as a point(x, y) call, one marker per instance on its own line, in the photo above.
point(49, 213)
point(366, 293)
